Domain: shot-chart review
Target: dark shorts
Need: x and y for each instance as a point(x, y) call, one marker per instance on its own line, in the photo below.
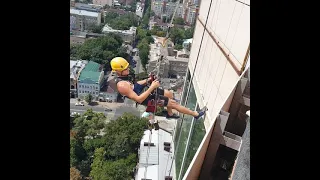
point(161, 98)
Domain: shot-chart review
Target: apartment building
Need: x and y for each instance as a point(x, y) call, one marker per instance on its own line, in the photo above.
point(126, 35)
point(81, 20)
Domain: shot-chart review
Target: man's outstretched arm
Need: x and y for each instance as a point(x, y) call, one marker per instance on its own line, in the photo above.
point(144, 81)
point(125, 90)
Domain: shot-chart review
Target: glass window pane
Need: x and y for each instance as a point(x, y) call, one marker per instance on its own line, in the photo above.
point(197, 134)
point(185, 128)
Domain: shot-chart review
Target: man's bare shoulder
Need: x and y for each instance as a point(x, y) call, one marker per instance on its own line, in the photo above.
point(123, 87)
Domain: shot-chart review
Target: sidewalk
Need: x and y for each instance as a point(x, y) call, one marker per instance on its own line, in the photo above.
point(99, 104)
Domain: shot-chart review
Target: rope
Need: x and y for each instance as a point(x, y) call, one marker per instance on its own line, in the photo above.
point(155, 109)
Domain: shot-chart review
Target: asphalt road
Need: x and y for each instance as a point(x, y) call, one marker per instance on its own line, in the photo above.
point(114, 114)
point(138, 69)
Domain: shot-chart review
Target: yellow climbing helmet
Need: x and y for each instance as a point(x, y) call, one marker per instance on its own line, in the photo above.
point(119, 64)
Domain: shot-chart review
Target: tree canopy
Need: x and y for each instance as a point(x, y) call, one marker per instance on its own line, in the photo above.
point(121, 22)
point(111, 154)
point(100, 50)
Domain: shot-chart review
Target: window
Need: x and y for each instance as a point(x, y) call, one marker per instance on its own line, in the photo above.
point(147, 144)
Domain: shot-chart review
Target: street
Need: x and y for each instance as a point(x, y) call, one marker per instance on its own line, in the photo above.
point(114, 114)
point(138, 69)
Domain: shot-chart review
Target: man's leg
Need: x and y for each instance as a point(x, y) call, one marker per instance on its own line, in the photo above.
point(174, 105)
point(168, 94)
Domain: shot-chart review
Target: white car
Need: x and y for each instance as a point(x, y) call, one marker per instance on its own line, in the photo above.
point(79, 104)
point(74, 114)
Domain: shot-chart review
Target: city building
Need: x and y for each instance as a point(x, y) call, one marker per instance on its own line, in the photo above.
point(126, 35)
point(118, 11)
point(88, 7)
point(90, 80)
point(154, 61)
point(187, 44)
point(154, 21)
point(81, 20)
point(75, 68)
point(178, 65)
point(190, 14)
point(104, 2)
point(173, 63)
point(218, 77)
point(109, 91)
point(139, 9)
point(169, 8)
point(166, 9)
point(154, 155)
point(157, 7)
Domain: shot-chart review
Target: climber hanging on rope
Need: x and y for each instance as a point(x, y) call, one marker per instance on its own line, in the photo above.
point(134, 91)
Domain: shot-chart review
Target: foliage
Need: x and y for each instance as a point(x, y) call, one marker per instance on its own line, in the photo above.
point(189, 33)
point(176, 35)
point(156, 30)
point(111, 156)
point(178, 20)
point(121, 169)
point(95, 28)
point(100, 50)
point(141, 76)
point(123, 136)
point(89, 124)
point(178, 47)
point(88, 98)
point(160, 111)
point(121, 22)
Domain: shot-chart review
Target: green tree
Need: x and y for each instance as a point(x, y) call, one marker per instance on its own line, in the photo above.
point(120, 169)
point(178, 47)
point(178, 20)
point(176, 35)
point(108, 54)
point(143, 54)
point(88, 98)
point(123, 136)
point(95, 28)
point(97, 171)
point(122, 22)
point(161, 34)
point(189, 33)
point(77, 153)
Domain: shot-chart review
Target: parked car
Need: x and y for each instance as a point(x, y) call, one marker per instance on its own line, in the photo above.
point(74, 114)
point(79, 104)
point(108, 109)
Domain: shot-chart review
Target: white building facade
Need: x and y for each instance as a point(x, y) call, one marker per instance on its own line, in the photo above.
point(218, 75)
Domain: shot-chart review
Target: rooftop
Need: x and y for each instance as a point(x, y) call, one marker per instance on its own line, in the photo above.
point(84, 13)
point(90, 73)
point(92, 66)
point(158, 157)
point(107, 28)
point(89, 77)
point(72, 63)
point(180, 59)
